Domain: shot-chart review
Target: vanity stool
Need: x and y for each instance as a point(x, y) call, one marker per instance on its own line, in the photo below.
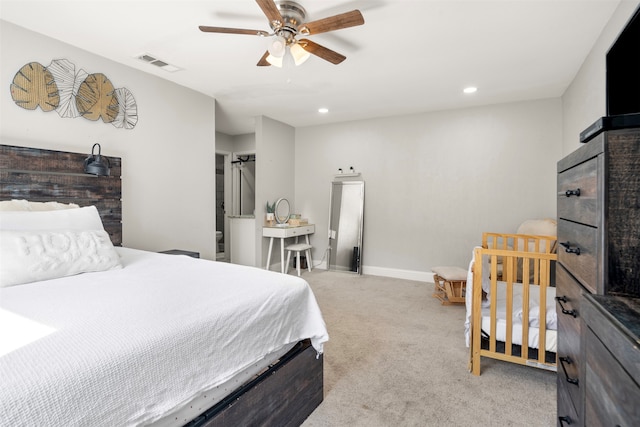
point(297, 248)
point(450, 284)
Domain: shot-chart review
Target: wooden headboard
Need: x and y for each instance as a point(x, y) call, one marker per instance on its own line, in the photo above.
point(46, 175)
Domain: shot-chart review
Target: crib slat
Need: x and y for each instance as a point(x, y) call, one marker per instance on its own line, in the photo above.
point(476, 318)
point(525, 306)
point(493, 295)
point(509, 278)
point(542, 344)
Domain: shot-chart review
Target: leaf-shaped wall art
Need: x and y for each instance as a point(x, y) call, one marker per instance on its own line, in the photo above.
point(96, 99)
point(68, 81)
point(73, 93)
point(128, 112)
point(34, 86)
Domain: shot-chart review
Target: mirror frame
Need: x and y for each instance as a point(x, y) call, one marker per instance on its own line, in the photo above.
point(275, 210)
point(360, 183)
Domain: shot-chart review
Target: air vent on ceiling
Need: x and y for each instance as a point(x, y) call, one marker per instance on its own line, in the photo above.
point(150, 59)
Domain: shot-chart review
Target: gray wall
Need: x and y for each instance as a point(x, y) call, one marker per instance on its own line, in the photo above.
point(435, 181)
point(275, 147)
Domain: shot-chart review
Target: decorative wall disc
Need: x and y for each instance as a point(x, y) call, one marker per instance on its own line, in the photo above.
point(34, 86)
point(73, 94)
point(68, 81)
point(128, 111)
point(95, 99)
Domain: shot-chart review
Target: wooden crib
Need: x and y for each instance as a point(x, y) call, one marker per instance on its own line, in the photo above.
point(516, 274)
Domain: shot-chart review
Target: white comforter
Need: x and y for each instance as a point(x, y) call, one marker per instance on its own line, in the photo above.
point(126, 347)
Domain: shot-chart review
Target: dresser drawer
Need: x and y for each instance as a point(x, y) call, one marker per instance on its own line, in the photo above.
point(302, 230)
point(568, 297)
point(610, 338)
point(577, 193)
point(611, 395)
point(286, 232)
point(567, 413)
point(578, 252)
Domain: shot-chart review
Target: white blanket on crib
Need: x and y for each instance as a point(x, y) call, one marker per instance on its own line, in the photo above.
point(501, 299)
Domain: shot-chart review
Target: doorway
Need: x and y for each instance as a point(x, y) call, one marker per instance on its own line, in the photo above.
point(244, 184)
point(220, 206)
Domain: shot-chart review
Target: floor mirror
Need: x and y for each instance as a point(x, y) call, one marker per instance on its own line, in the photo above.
point(346, 220)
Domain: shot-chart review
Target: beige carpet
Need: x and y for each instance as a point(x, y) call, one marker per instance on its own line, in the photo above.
point(397, 357)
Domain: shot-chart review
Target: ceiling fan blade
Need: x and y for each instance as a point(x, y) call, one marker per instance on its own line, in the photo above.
point(337, 22)
point(270, 10)
point(233, 31)
point(321, 51)
point(263, 61)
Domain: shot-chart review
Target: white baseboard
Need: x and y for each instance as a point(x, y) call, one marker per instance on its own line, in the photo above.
point(322, 265)
point(420, 276)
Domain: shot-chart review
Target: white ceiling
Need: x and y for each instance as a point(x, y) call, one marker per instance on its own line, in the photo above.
point(408, 57)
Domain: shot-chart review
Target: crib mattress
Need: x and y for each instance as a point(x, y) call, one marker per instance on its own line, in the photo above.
point(551, 337)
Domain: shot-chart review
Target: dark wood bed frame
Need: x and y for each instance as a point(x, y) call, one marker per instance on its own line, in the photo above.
point(44, 175)
point(283, 395)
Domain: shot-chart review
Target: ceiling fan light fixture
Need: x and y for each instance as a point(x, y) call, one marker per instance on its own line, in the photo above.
point(275, 61)
point(288, 20)
point(299, 54)
point(278, 47)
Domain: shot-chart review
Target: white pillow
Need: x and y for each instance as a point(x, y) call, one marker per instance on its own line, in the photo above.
point(31, 256)
point(51, 206)
point(86, 218)
point(25, 205)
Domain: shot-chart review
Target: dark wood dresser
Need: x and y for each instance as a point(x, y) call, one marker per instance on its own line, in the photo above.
point(599, 255)
point(611, 345)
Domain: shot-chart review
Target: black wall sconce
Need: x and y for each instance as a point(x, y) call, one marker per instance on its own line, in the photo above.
point(95, 165)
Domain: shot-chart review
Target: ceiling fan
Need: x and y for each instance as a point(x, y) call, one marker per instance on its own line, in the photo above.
point(287, 21)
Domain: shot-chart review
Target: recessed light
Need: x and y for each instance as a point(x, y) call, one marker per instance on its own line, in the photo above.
point(323, 110)
point(470, 89)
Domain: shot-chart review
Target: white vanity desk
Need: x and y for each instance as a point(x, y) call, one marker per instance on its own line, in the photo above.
point(284, 233)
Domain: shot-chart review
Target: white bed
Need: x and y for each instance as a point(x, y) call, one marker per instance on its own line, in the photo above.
point(136, 345)
point(94, 334)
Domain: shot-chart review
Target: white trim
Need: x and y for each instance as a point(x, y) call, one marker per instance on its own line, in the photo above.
point(420, 276)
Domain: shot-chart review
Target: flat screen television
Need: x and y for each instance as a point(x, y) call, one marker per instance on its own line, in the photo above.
point(623, 70)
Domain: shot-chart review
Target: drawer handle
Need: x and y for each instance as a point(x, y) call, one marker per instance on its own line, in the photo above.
point(563, 420)
point(570, 193)
point(564, 310)
point(570, 380)
point(568, 249)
